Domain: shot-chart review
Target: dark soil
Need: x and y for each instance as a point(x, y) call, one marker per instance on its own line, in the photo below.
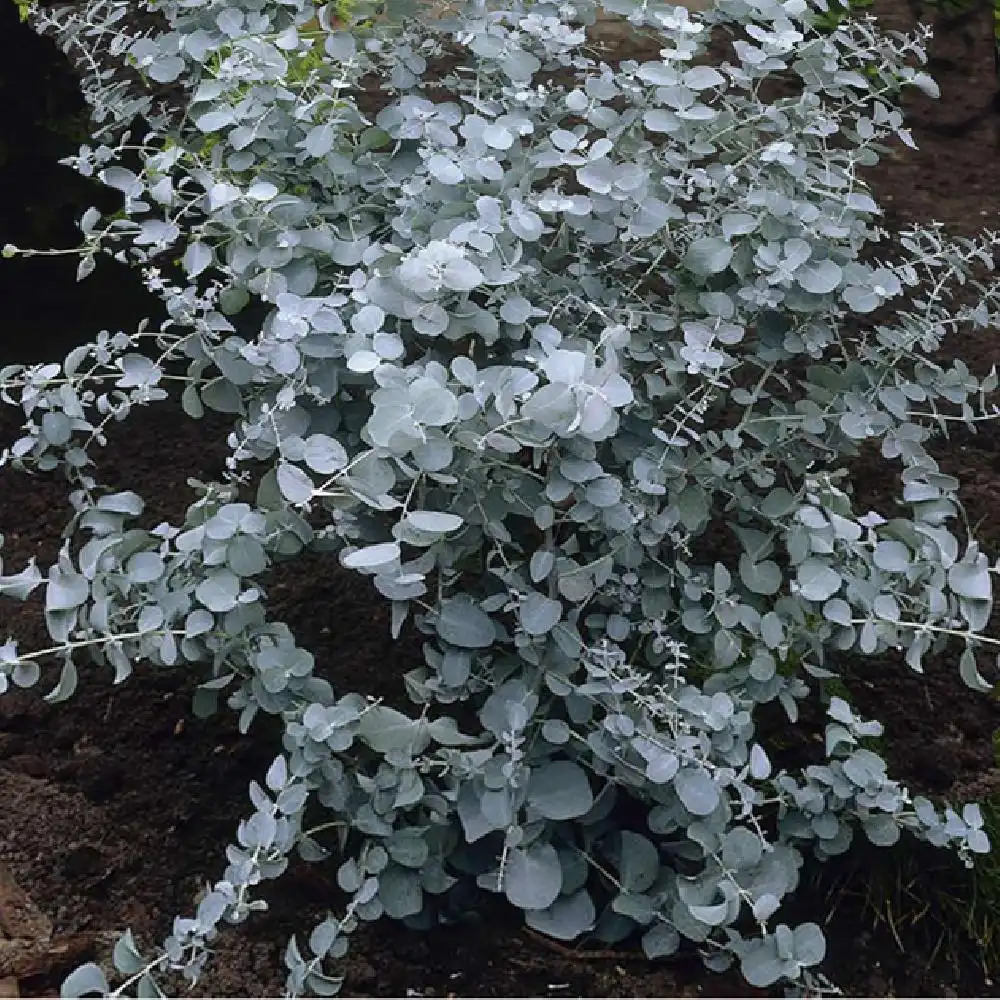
point(117, 807)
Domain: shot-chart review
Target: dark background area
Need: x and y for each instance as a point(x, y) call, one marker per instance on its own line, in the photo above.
point(43, 119)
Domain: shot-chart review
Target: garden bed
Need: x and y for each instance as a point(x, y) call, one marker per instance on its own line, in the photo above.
point(118, 806)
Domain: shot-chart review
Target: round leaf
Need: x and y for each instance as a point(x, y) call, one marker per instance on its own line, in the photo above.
point(465, 624)
point(295, 485)
point(86, 980)
point(817, 580)
point(810, 944)
point(639, 864)
point(372, 556)
point(708, 255)
point(434, 521)
point(971, 580)
point(560, 790)
point(324, 454)
point(566, 919)
point(539, 614)
point(533, 878)
point(696, 790)
point(65, 591)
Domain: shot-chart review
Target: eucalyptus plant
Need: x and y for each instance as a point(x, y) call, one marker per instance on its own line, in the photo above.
point(569, 358)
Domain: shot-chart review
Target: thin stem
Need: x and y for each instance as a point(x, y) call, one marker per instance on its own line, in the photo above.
point(101, 640)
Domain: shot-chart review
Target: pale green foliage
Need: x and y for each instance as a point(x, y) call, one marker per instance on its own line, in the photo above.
point(522, 353)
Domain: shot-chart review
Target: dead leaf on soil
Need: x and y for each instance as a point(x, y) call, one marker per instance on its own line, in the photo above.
point(28, 946)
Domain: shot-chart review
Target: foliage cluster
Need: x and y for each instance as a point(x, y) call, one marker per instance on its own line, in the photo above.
point(567, 359)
